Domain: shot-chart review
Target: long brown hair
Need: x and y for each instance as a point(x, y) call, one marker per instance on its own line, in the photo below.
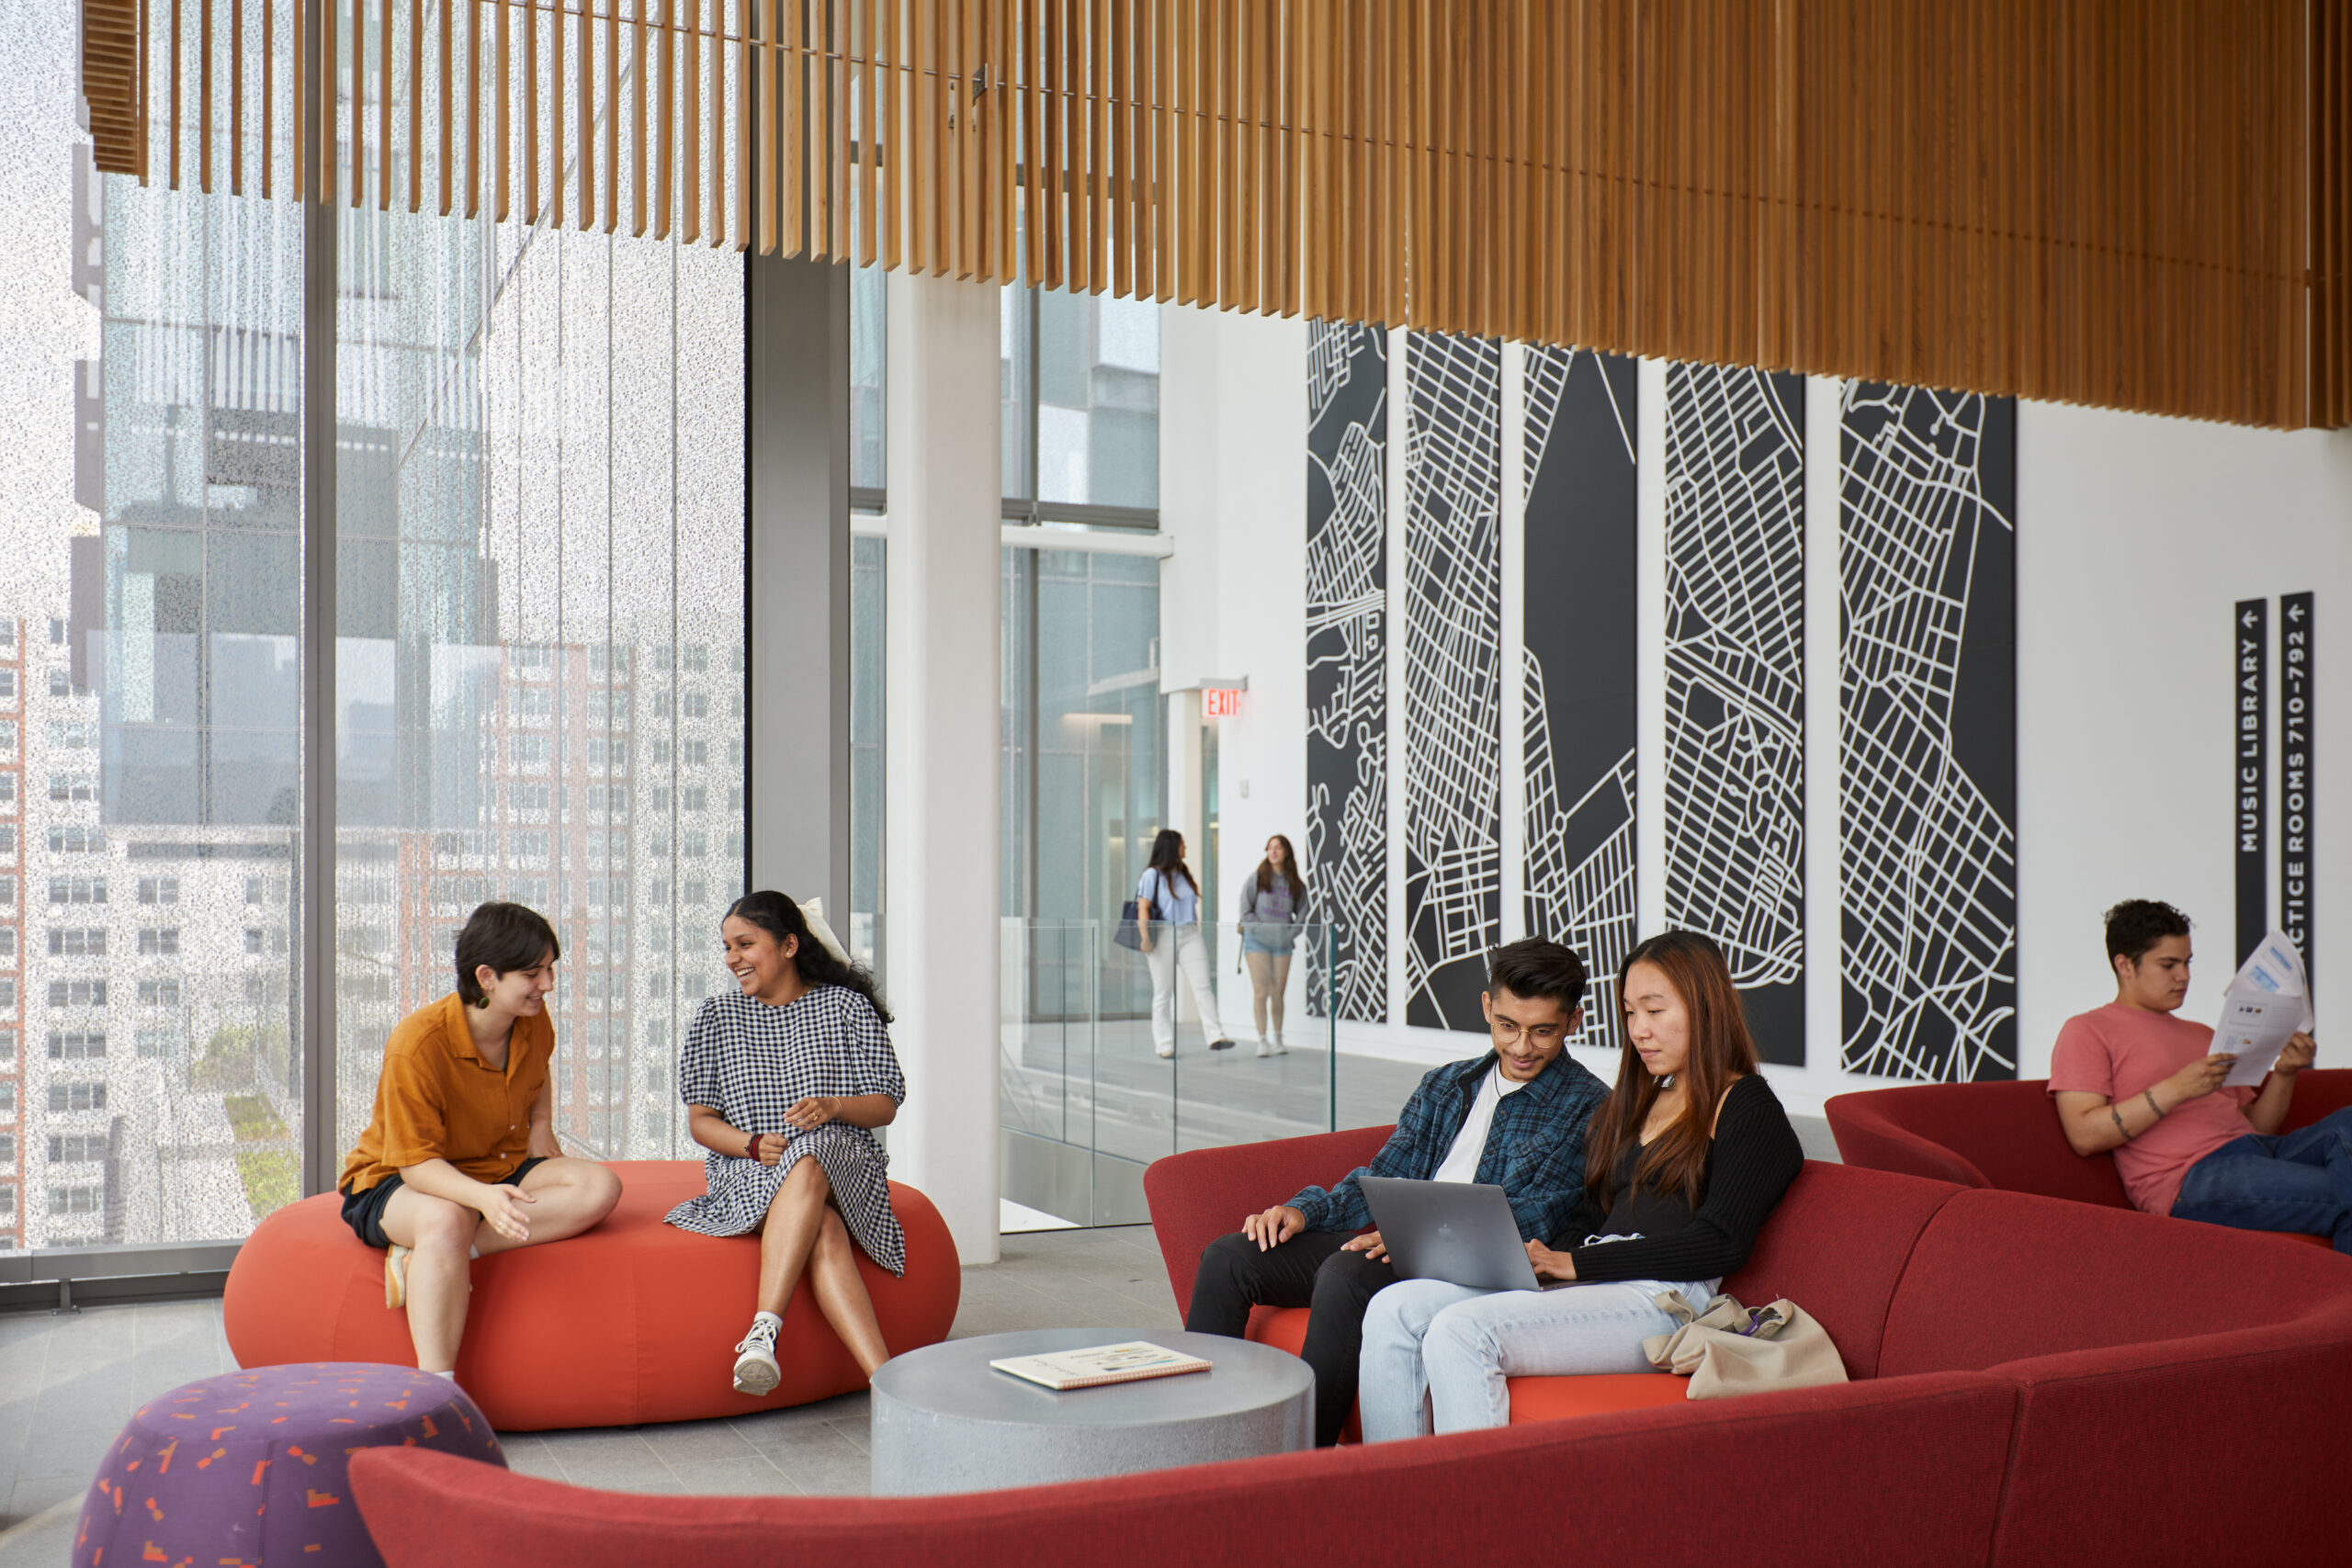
point(1676, 1160)
point(1291, 873)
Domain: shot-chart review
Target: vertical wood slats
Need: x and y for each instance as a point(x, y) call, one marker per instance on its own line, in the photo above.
point(2138, 203)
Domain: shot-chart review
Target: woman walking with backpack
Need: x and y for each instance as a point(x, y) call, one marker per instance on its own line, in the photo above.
point(1168, 898)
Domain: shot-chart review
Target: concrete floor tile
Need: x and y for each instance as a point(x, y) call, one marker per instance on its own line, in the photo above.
point(696, 1442)
point(858, 1429)
point(829, 1475)
point(43, 1539)
point(750, 1477)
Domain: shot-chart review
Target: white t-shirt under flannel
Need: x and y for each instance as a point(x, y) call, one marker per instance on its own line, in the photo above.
point(1461, 1161)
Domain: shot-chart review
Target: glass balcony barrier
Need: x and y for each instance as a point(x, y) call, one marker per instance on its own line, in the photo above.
point(1095, 1087)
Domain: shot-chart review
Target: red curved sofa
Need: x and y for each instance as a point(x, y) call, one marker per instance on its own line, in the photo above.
point(2005, 1135)
point(634, 1321)
point(2036, 1382)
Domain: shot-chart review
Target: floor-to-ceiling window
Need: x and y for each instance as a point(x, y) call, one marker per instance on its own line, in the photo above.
point(540, 691)
point(1082, 748)
point(151, 723)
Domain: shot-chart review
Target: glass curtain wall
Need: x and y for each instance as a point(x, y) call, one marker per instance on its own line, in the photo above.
point(150, 663)
point(539, 635)
point(1082, 768)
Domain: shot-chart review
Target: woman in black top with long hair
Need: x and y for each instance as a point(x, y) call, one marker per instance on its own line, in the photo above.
point(1684, 1162)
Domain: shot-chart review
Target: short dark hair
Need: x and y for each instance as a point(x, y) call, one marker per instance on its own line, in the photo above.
point(1537, 967)
point(2138, 924)
point(507, 937)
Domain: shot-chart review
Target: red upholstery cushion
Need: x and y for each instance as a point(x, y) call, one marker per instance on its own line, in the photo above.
point(1202, 1195)
point(1285, 1329)
point(1555, 1399)
point(1837, 1247)
point(2001, 1276)
point(1978, 1135)
point(2007, 1136)
point(635, 1321)
point(2126, 1426)
point(1858, 1473)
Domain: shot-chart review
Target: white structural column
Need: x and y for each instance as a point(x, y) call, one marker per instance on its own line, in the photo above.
point(940, 809)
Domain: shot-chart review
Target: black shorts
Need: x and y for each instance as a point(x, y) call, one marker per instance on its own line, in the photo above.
point(364, 1211)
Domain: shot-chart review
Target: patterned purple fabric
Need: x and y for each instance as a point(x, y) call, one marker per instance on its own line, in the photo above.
point(247, 1471)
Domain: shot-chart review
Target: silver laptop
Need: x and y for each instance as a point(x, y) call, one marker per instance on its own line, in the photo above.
point(1463, 1232)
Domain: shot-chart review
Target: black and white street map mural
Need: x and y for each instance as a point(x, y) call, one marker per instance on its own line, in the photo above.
point(1452, 692)
point(1581, 531)
point(1347, 668)
point(1735, 683)
point(1926, 671)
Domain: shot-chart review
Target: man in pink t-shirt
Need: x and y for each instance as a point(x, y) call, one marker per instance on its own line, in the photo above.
point(2132, 1078)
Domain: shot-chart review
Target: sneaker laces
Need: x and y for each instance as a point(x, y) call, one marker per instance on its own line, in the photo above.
point(761, 1337)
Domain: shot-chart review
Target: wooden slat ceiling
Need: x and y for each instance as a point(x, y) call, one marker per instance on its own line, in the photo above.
point(2141, 204)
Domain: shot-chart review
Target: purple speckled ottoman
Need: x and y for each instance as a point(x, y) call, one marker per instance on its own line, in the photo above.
point(247, 1470)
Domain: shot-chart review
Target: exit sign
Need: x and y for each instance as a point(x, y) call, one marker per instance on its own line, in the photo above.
point(1220, 702)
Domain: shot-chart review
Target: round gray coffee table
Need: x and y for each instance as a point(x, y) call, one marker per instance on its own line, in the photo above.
point(946, 1421)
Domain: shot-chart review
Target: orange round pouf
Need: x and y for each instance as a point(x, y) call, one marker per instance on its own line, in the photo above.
point(635, 1321)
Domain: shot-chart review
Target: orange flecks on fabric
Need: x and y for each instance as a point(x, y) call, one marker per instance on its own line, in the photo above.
point(206, 1463)
point(154, 1512)
point(342, 1421)
point(396, 1405)
point(320, 1499)
point(163, 1457)
point(118, 1499)
point(294, 1450)
point(181, 1416)
point(259, 1465)
point(276, 1419)
point(218, 1430)
point(154, 1554)
point(134, 1464)
point(430, 1429)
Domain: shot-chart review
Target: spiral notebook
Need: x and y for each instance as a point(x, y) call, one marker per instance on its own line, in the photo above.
point(1100, 1364)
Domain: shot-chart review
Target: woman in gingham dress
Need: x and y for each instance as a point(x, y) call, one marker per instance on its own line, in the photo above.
point(784, 1080)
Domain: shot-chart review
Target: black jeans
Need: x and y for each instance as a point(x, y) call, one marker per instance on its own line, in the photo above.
point(1307, 1270)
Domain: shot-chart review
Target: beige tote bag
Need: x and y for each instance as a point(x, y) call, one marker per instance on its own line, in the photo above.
point(1726, 1350)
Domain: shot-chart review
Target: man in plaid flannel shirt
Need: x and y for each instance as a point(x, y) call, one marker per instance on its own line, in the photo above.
point(1514, 1117)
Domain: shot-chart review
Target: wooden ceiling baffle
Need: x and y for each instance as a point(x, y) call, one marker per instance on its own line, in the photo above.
point(2138, 204)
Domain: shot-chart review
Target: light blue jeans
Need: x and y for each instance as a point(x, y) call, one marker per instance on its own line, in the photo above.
point(1435, 1352)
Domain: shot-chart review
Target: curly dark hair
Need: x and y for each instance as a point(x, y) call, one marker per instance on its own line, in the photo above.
point(779, 916)
point(2138, 924)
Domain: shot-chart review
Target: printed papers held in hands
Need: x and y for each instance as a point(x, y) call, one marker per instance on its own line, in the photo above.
point(1101, 1364)
point(2265, 1004)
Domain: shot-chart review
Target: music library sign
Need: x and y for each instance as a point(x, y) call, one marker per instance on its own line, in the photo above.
point(2249, 718)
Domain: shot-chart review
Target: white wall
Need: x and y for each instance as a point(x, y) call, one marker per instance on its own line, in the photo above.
point(2135, 537)
point(1233, 495)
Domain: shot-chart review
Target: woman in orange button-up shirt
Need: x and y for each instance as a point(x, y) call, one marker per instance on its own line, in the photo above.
point(460, 1156)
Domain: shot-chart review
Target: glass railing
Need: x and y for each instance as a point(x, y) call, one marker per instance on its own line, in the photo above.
point(1107, 1063)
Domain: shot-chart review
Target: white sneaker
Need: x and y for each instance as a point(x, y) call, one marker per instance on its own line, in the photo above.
point(1280, 1049)
point(1164, 1051)
point(1264, 1049)
point(756, 1372)
point(396, 1276)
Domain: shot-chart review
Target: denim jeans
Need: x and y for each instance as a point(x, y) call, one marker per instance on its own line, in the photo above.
point(1437, 1354)
point(2282, 1181)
